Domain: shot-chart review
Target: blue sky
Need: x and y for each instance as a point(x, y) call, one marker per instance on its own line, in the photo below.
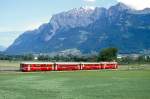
point(22, 15)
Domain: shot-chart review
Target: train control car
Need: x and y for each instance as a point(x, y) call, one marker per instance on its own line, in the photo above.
point(109, 65)
point(36, 66)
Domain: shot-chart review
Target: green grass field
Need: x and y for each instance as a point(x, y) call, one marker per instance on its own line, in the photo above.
point(132, 84)
point(129, 82)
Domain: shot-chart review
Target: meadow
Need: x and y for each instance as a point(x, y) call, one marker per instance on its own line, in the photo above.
point(129, 82)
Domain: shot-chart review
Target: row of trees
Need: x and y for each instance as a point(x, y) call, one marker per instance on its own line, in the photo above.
point(16, 57)
point(129, 60)
point(108, 54)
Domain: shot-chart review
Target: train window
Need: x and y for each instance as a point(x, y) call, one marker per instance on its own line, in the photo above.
point(38, 65)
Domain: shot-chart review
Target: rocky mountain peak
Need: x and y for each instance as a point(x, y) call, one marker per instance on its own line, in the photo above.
point(119, 7)
point(72, 18)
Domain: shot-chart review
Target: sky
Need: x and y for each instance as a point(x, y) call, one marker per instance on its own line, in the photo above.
point(17, 16)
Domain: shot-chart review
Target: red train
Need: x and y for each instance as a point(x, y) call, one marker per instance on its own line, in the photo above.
point(65, 66)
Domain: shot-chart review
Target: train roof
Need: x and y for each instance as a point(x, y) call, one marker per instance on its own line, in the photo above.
point(69, 62)
point(37, 62)
point(108, 62)
point(99, 62)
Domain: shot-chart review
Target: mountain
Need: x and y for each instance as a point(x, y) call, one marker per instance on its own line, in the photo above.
point(89, 30)
point(2, 48)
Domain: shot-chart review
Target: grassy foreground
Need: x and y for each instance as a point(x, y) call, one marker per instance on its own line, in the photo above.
point(132, 84)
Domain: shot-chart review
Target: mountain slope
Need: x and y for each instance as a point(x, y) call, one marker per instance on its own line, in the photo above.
point(89, 30)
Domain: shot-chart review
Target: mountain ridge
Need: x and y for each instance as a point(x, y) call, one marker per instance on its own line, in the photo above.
point(81, 28)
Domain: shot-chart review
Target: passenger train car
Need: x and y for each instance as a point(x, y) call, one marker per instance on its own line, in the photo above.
point(66, 66)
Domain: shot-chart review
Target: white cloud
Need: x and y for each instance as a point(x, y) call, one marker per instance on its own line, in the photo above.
point(89, 0)
point(137, 4)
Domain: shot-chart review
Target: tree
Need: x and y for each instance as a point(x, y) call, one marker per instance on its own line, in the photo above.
point(43, 58)
point(108, 54)
point(28, 57)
